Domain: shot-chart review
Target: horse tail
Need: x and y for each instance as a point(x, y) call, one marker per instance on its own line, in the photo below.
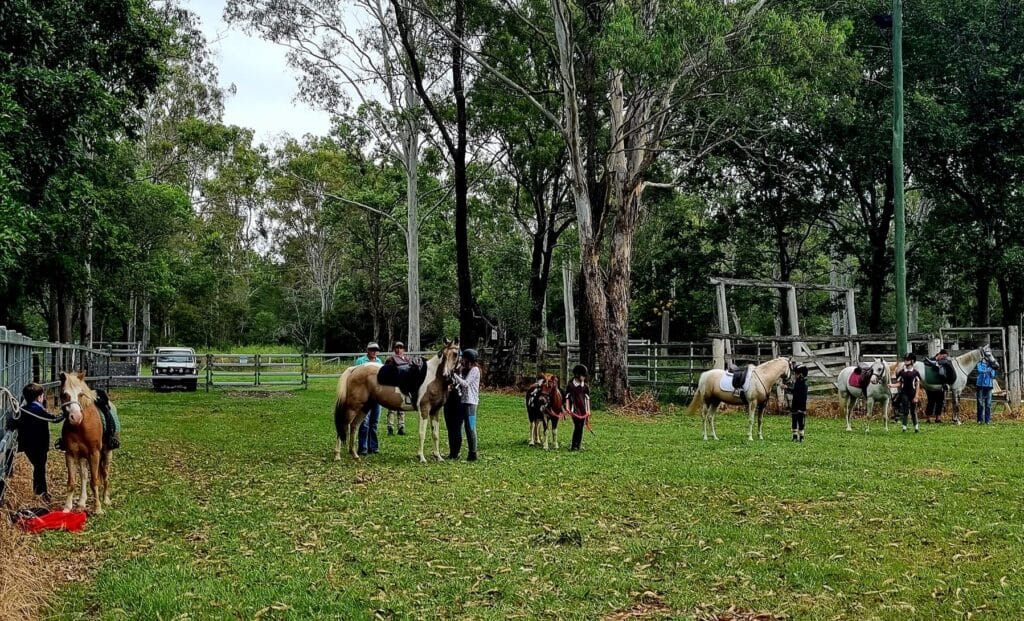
point(340, 424)
point(698, 397)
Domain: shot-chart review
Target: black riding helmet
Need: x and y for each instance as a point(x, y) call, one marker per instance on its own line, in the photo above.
point(579, 371)
point(910, 357)
point(470, 354)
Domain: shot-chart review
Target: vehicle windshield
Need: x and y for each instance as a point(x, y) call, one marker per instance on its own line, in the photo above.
point(176, 358)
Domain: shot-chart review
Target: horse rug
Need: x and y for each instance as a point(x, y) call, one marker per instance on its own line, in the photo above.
point(726, 385)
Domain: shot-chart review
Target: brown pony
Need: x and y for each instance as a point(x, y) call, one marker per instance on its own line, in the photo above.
point(358, 391)
point(82, 438)
point(544, 405)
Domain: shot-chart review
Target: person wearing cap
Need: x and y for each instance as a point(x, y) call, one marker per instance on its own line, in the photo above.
point(397, 419)
point(908, 380)
point(468, 383)
point(798, 407)
point(577, 403)
point(368, 441)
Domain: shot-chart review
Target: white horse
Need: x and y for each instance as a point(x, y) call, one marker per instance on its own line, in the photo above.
point(963, 364)
point(876, 389)
point(756, 392)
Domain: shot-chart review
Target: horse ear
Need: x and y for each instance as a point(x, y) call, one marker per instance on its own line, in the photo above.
point(447, 342)
point(456, 341)
point(63, 377)
point(81, 375)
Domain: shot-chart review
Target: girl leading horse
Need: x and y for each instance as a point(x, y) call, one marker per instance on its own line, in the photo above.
point(755, 394)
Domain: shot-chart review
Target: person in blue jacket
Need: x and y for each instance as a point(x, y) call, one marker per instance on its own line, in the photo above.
point(984, 386)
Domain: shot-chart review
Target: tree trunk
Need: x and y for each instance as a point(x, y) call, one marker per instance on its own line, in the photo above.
point(53, 316)
point(467, 303)
point(539, 259)
point(147, 323)
point(568, 303)
point(131, 318)
point(982, 282)
point(412, 236)
point(87, 310)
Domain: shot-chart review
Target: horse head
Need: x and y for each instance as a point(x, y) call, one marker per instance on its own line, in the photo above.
point(987, 356)
point(450, 357)
point(787, 375)
point(72, 390)
point(879, 371)
point(553, 394)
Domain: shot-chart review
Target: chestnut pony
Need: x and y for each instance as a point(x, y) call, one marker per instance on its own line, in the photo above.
point(82, 437)
point(358, 391)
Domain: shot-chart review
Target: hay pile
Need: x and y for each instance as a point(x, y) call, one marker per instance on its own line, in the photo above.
point(639, 404)
point(27, 578)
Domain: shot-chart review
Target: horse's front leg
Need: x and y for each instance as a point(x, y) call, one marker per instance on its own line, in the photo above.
point(849, 404)
point(94, 479)
point(886, 402)
point(435, 427)
point(751, 411)
point(533, 433)
point(71, 465)
point(423, 435)
point(869, 407)
point(760, 420)
point(83, 475)
point(956, 406)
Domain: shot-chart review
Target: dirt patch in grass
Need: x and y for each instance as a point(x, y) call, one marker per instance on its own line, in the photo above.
point(257, 394)
point(935, 473)
point(649, 606)
point(734, 613)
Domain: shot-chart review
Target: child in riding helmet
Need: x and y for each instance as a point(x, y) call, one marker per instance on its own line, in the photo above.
point(469, 388)
point(908, 380)
point(577, 403)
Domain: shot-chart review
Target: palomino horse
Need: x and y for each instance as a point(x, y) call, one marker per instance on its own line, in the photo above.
point(544, 405)
point(755, 395)
point(873, 386)
point(82, 439)
point(358, 391)
point(963, 364)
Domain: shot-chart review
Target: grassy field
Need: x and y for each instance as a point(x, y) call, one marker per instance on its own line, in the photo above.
point(229, 506)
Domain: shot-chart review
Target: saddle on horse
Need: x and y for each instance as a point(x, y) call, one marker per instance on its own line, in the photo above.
point(406, 377)
point(739, 377)
point(939, 371)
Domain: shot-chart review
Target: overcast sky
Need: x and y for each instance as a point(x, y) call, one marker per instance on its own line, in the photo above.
point(266, 86)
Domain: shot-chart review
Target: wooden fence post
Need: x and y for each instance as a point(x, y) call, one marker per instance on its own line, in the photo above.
point(1013, 376)
point(718, 353)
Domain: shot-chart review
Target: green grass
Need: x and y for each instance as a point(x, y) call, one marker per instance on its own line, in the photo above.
point(230, 507)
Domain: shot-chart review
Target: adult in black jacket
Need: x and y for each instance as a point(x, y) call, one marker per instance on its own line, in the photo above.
point(33, 425)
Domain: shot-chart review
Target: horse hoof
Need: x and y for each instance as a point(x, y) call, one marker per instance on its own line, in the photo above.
point(849, 428)
point(423, 459)
point(439, 458)
point(337, 457)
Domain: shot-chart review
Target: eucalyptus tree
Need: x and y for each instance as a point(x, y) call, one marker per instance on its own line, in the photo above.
point(341, 63)
point(632, 77)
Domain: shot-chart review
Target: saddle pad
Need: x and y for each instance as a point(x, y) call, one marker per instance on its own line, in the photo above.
point(859, 380)
point(725, 384)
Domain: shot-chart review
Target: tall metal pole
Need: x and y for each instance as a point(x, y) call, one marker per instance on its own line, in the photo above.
point(897, 171)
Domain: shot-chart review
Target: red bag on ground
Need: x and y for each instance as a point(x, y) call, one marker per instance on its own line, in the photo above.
point(73, 521)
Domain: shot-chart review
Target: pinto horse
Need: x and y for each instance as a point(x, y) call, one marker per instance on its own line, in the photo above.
point(754, 396)
point(544, 406)
point(82, 439)
point(358, 391)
